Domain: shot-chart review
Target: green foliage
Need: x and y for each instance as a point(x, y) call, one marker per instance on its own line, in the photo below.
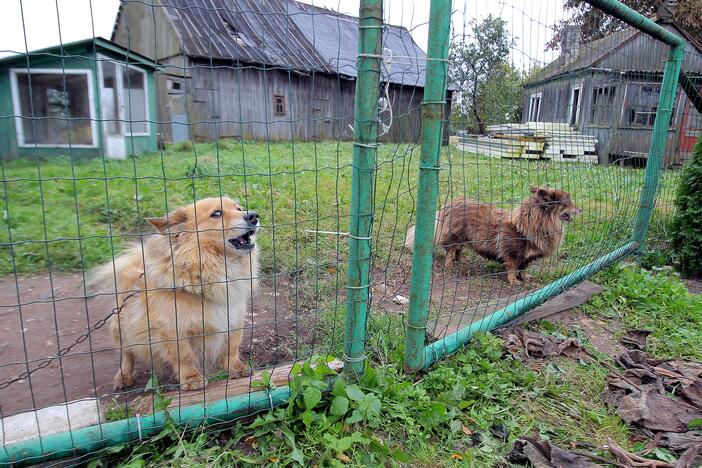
point(477, 67)
point(658, 302)
point(470, 407)
point(687, 221)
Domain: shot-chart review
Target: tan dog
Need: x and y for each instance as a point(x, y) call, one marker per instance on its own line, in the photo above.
point(183, 296)
point(516, 238)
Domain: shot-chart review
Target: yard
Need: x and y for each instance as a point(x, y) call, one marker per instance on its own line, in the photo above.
point(65, 216)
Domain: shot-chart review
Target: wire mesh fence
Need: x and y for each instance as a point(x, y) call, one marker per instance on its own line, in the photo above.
point(227, 188)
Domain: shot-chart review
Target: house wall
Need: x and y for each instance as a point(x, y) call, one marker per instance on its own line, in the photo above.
point(224, 101)
point(83, 60)
point(236, 100)
point(616, 140)
point(9, 147)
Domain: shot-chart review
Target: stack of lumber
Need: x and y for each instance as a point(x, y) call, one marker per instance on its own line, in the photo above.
point(533, 140)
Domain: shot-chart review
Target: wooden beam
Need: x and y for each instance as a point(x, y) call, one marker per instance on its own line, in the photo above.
point(222, 389)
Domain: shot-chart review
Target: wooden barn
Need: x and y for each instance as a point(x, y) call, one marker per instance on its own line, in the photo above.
point(609, 88)
point(273, 69)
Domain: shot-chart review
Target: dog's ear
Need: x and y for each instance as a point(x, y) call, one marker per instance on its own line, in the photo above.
point(169, 222)
point(542, 193)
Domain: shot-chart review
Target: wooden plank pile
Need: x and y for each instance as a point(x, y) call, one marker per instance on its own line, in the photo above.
point(533, 140)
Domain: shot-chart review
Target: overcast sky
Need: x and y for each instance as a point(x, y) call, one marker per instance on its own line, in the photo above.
point(48, 22)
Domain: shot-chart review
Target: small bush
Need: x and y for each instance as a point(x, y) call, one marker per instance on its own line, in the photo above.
point(687, 221)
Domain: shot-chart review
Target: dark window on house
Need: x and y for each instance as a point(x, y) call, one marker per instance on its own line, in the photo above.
point(55, 108)
point(640, 104)
point(534, 107)
point(278, 104)
point(602, 104)
point(574, 106)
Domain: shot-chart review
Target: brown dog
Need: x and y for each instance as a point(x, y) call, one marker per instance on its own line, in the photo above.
point(182, 294)
point(516, 238)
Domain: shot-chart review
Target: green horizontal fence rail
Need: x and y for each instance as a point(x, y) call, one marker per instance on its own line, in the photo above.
point(419, 355)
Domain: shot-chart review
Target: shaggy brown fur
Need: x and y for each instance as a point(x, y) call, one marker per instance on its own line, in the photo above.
point(183, 293)
point(516, 238)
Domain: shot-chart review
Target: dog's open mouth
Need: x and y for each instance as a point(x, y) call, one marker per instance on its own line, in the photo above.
point(567, 217)
point(243, 242)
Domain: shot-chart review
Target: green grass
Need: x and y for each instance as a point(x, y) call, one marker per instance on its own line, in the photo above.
point(659, 302)
point(465, 411)
point(70, 214)
point(468, 409)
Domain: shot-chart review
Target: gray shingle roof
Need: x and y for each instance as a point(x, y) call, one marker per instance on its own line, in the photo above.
point(589, 54)
point(286, 34)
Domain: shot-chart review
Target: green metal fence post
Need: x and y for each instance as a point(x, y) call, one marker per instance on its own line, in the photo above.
point(365, 141)
point(656, 152)
point(428, 185)
point(666, 104)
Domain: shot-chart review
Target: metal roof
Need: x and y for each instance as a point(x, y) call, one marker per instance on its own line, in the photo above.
point(81, 48)
point(589, 54)
point(287, 34)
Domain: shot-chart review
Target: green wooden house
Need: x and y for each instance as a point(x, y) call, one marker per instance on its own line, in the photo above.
point(83, 99)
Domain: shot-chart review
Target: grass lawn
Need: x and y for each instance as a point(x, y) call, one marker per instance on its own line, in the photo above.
point(467, 410)
point(66, 215)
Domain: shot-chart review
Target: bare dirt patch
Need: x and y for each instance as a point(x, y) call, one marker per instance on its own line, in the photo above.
point(43, 314)
point(694, 285)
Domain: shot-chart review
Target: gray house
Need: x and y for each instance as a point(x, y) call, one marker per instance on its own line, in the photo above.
point(609, 88)
point(266, 69)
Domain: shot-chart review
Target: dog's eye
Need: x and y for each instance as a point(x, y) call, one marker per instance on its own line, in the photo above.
point(239, 208)
point(216, 214)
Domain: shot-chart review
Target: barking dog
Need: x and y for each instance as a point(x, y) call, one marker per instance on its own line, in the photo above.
point(183, 293)
point(515, 238)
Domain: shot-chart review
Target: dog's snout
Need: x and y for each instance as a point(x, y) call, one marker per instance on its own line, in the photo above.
point(251, 217)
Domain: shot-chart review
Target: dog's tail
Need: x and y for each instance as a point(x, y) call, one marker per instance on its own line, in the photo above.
point(409, 237)
point(121, 275)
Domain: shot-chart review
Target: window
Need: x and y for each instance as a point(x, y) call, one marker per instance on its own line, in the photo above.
point(175, 87)
point(110, 98)
point(134, 85)
point(54, 108)
point(640, 104)
point(278, 104)
point(574, 106)
point(602, 104)
point(534, 107)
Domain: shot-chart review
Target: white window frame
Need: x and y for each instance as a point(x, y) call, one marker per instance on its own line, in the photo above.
point(578, 87)
point(19, 127)
point(120, 83)
point(532, 97)
point(673, 116)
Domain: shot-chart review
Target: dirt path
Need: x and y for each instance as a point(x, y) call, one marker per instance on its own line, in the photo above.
point(39, 315)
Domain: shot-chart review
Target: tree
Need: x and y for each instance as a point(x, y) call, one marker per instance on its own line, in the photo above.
point(687, 221)
point(594, 24)
point(477, 66)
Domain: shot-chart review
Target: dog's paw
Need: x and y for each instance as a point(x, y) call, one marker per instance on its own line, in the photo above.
point(238, 369)
point(195, 382)
point(122, 381)
point(526, 278)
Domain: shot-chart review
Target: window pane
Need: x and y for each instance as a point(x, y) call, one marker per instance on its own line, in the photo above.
point(110, 98)
point(135, 101)
point(55, 108)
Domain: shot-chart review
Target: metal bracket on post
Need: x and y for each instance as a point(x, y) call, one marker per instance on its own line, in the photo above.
point(365, 147)
point(428, 184)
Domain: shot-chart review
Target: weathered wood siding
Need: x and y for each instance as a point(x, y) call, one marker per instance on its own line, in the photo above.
point(616, 140)
point(228, 101)
point(236, 100)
